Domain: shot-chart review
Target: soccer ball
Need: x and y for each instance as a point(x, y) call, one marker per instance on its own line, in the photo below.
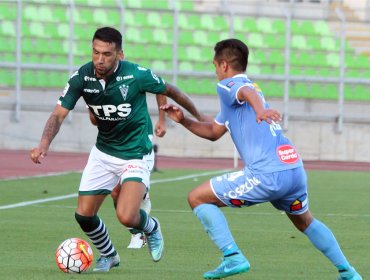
point(74, 255)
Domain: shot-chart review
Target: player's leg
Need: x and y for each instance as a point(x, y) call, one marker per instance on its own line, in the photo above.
point(324, 240)
point(138, 239)
point(95, 184)
point(206, 207)
point(131, 215)
point(295, 204)
point(135, 184)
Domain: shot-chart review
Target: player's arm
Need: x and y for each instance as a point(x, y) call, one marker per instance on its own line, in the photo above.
point(160, 128)
point(51, 129)
point(92, 118)
point(247, 94)
point(181, 98)
point(206, 129)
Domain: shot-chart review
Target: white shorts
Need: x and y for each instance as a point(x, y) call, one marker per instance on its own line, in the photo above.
point(103, 172)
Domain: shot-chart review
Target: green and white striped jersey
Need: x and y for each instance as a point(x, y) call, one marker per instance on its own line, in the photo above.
point(119, 105)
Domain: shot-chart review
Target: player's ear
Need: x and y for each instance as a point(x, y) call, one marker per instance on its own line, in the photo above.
point(121, 55)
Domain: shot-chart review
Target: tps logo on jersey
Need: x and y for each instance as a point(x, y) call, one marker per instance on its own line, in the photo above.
point(299, 203)
point(124, 90)
point(287, 154)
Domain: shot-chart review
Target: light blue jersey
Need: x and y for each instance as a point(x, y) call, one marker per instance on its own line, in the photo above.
point(262, 147)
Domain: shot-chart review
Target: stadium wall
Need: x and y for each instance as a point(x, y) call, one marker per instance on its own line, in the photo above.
point(312, 127)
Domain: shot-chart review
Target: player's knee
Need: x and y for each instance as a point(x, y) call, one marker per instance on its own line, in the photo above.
point(126, 219)
point(193, 199)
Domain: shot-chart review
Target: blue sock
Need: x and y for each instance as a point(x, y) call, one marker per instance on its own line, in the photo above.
point(323, 239)
point(215, 224)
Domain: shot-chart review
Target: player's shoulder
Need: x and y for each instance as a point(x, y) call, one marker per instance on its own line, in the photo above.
point(85, 72)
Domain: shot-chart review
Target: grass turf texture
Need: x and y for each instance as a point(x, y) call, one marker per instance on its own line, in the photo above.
point(30, 235)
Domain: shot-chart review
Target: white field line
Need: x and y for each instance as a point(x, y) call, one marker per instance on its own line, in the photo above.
point(38, 201)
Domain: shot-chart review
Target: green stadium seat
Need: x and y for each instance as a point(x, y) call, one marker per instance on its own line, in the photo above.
point(184, 5)
point(255, 40)
point(254, 69)
point(162, 36)
point(60, 14)
point(8, 28)
point(8, 78)
point(321, 27)
point(189, 21)
point(274, 41)
point(277, 57)
point(100, 16)
point(83, 16)
point(243, 24)
point(159, 65)
point(30, 12)
point(213, 22)
point(329, 44)
point(299, 42)
point(278, 25)
point(333, 59)
point(264, 25)
point(185, 66)
point(45, 13)
point(8, 11)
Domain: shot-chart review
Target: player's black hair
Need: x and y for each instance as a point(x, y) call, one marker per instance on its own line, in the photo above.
point(234, 51)
point(109, 35)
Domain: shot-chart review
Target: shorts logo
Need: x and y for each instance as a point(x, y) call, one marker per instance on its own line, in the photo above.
point(298, 204)
point(287, 154)
point(238, 202)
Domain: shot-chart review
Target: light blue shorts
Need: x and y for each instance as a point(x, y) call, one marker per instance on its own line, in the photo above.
point(286, 190)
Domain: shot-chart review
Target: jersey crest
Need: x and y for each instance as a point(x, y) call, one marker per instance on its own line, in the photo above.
point(124, 90)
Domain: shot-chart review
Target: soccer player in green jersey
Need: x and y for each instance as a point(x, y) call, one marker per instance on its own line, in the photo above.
point(115, 92)
point(138, 239)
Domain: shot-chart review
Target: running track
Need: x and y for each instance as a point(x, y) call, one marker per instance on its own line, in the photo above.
point(16, 163)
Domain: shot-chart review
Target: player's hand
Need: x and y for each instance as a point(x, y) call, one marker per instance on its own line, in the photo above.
point(36, 154)
point(160, 129)
point(174, 112)
point(269, 116)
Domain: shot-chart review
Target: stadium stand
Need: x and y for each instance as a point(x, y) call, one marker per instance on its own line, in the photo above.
point(150, 25)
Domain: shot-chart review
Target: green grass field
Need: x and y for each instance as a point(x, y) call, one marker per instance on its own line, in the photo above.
point(30, 234)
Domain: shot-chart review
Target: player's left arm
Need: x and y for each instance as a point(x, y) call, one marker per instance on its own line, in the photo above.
point(247, 94)
point(184, 100)
point(92, 118)
point(160, 128)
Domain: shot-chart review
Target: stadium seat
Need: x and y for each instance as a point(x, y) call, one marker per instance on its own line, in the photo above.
point(30, 12)
point(329, 44)
point(8, 11)
point(278, 25)
point(8, 28)
point(264, 25)
point(8, 78)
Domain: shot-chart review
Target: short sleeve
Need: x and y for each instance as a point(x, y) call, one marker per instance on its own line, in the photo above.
point(149, 81)
point(71, 92)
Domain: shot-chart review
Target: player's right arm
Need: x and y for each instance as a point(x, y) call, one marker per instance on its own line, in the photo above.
point(206, 129)
point(51, 129)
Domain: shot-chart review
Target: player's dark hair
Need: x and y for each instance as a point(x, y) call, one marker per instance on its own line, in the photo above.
point(109, 35)
point(234, 51)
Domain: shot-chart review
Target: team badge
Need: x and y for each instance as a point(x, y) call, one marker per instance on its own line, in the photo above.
point(238, 202)
point(299, 203)
point(124, 90)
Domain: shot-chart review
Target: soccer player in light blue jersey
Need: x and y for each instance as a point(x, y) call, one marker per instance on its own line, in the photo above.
point(273, 169)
